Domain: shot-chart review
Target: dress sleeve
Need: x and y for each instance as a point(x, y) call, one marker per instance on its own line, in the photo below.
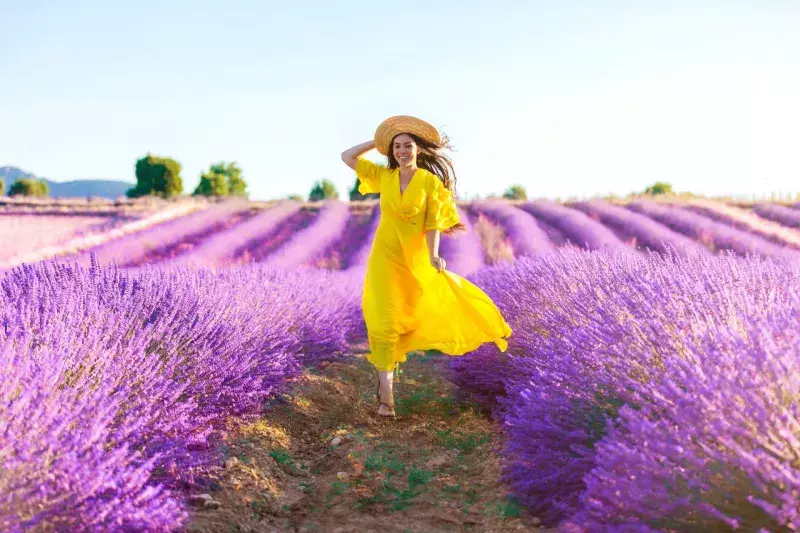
point(442, 213)
point(369, 176)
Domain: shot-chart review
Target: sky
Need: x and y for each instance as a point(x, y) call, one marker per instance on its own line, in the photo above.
point(567, 98)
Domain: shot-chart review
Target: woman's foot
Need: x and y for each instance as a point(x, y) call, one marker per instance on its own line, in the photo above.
point(385, 394)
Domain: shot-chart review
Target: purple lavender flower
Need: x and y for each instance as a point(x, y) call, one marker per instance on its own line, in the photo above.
point(163, 240)
point(779, 213)
point(118, 385)
point(579, 228)
point(258, 250)
point(315, 239)
point(525, 234)
point(221, 247)
point(356, 234)
point(463, 251)
point(360, 255)
point(716, 235)
point(711, 444)
point(640, 228)
point(46, 232)
point(745, 220)
point(102, 233)
point(605, 340)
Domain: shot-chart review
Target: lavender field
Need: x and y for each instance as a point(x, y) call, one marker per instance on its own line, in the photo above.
point(651, 382)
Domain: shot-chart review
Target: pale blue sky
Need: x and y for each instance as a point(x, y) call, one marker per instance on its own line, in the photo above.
point(566, 97)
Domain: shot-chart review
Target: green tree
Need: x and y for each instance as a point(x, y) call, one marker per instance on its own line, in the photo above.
point(295, 197)
point(212, 184)
point(659, 187)
point(323, 190)
point(159, 176)
point(2, 187)
point(28, 187)
point(355, 195)
point(516, 192)
point(236, 184)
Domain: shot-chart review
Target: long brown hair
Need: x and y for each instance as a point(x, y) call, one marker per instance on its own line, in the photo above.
point(430, 157)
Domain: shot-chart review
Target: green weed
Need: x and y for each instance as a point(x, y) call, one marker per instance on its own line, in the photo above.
point(463, 442)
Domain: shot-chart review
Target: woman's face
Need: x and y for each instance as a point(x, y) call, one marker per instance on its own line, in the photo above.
point(404, 150)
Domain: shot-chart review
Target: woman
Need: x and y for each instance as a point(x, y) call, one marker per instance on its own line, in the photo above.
point(410, 301)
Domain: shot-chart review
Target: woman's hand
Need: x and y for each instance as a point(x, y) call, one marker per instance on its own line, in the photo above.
point(350, 156)
point(438, 263)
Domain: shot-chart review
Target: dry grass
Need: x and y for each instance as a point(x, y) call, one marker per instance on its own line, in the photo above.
point(496, 246)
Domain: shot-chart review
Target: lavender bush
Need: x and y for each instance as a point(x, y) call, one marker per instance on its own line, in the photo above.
point(496, 245)
point(259, 250)
point(720, 435)
point(222, 246)
point(308, 243)
point(86, 240)
point(463, 251)
point(779, 213)
point(604, 342)
point(358, 261)
point(644, 230)
point(23, 235)
point(522, 230)
point(118, 387)
point(132, 248)
point(575, 225)
point(63, 465)
point(714, 234)
point(358, 230)
point(745, 220)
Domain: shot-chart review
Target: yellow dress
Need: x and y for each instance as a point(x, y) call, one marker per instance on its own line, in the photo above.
point(408, 305)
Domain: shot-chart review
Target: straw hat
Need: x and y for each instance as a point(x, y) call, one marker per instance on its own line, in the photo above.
point(396, 125)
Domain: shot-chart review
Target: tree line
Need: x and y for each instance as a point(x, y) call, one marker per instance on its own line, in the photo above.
point(161, 176)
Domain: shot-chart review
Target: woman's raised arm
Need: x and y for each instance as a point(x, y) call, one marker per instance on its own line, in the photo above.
point(350, 156)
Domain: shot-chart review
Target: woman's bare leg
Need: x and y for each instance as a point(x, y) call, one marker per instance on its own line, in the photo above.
point(386, 393)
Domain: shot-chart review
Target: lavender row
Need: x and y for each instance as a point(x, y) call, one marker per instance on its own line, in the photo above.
point(222, 246)
point(358, 261)
point(189, 243)
point(644, 393)
point(577, 226)
point(308, 243)
point(779, 213)
point(746, 220)
point(98, 236)
point(463, 251)
point(642, 229)
point(132, 248)
point(117, 387)
point(27, 234)
point(524, 233)
point(716, 235)
point(259, 250)
point(496, 245)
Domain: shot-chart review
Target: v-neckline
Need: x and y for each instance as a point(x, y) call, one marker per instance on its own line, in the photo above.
point(410, 181)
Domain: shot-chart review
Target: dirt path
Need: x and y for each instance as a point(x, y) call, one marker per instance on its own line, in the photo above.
point(320, 460)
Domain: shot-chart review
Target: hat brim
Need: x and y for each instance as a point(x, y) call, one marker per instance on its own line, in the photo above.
point(394, 126)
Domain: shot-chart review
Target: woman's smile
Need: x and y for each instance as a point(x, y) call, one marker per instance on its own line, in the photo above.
point(404, 150)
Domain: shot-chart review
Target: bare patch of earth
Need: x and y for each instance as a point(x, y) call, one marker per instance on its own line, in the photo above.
point(321, 460)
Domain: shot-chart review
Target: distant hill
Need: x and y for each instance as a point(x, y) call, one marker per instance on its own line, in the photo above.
point(71, 189)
